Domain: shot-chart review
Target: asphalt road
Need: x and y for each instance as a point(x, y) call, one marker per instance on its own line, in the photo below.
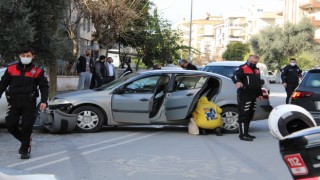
point(145, 153)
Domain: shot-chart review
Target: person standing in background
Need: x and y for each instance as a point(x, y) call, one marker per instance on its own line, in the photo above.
point(290, 77)
point(186, 65)
point(85, 67)
point(111, 70)
point(100, 71)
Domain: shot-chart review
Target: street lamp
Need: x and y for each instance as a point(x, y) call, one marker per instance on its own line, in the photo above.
point(189, 56)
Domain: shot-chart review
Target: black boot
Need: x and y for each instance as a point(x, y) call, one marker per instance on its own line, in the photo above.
point(248, 124)
point(25, 149)
point(243, 133)
point(218, 131)
point(202, 131)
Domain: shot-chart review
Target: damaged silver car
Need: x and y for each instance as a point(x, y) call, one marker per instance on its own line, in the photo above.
point(156, 97)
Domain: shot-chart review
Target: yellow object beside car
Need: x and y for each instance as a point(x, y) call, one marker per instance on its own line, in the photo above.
point(207, 114)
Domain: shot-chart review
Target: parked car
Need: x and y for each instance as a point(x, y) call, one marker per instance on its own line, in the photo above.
point(227, 68)
point(154, 97)
point(3, 102)
point(307, 94)
point(271, 77)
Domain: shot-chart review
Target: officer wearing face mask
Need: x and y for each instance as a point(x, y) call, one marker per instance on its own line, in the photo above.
point(21, 82)
point(248, 84)
point(290, 78)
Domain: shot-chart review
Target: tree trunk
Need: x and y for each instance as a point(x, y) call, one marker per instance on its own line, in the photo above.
point(71, 62)
point(52, 78)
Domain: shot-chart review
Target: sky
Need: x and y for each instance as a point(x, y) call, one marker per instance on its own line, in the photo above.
point(177, 10)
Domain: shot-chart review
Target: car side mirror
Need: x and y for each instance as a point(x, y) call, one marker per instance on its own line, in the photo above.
point(262, 82)
point(119, 90)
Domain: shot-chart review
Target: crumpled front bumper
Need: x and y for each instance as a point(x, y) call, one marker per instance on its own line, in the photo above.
point(57, 121)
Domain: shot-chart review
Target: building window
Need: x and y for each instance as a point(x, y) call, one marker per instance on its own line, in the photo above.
point(84, 24)
point(88, 24)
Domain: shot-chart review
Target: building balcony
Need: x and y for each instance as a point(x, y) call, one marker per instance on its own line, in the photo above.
point(307, 4)
point(315, 22)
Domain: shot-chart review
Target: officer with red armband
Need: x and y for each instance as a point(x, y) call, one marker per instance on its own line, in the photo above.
point(248, 83)
point(21, 82)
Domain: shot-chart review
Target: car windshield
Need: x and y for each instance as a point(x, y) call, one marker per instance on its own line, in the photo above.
point(115, 82)
point(311, 80)
point(227, 71)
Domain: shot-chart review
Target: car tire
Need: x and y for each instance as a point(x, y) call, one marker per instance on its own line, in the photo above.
point(229, 117)
point(90, 119)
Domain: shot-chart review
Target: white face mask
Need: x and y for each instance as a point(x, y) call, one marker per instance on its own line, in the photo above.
point(292, 64)
point(25, 60)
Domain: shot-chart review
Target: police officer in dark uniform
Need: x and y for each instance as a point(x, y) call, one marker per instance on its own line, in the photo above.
point(248, 83)
point(21, 82)
point(290, 78)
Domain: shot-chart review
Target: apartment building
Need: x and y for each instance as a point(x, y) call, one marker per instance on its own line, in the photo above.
point(212, 35)
point(294, 10)
point(202, 35)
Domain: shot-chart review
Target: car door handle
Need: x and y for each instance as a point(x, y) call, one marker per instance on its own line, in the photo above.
point(190, 94)
point(144, 99)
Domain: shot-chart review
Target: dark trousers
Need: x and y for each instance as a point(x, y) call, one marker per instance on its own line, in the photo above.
point(289, 89)
point(26, 111)
point(246, 108)
point(100, 82)
point(109, 79)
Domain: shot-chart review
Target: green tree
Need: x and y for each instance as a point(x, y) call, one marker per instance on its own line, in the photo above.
point(276, 45)
point(161, 42)
point(236, 51)
point(46, 19)
point(15, 29)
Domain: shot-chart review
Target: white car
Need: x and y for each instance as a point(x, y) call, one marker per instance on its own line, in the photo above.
point(3, 102)
point(227, 68)
point(271, 77)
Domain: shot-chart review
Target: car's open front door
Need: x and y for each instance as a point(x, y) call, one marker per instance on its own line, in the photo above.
point(184, 95)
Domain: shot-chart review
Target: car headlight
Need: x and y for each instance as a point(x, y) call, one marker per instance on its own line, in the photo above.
point(55, 102)
point(61, 104)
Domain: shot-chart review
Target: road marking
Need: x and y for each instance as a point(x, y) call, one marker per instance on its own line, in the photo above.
point(103, 142)
point(47, 164)
point(278, 94)
point(121, 143)
point(81, 147)
point(36, 159)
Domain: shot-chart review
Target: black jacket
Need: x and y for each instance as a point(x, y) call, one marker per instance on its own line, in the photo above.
point(81, 64)
point(25, 80)
point(100, 70)
point(191, 67)
point(250, 78)
point(290, 74)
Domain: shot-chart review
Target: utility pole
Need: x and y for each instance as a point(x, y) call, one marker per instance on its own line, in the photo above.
point(190, 33)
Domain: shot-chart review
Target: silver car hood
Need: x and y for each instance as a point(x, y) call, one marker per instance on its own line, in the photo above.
point(74, 93)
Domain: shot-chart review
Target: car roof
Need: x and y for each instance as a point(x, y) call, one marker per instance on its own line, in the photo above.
point(155, 72)
point(314, 71)
point(226, 63)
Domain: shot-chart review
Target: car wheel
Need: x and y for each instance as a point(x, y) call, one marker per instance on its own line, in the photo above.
point(229, 118)
point(90, 119)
